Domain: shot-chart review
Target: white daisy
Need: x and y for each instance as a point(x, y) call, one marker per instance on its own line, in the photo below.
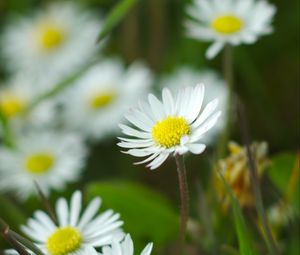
point(215, 87)
point(173, 126)
point(229, 22)
point(124, 248)
point(51, 159)
point(54, 41)
point(16, 96)
point(74, 234)
point(95, 104)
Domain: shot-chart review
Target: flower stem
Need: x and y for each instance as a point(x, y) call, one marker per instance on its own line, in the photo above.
point(17, 241)
point(271, 244)
point(184, 197)
point(228, 76)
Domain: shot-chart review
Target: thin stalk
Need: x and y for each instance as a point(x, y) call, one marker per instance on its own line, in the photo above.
point(46, 203)
point(26, 243)
point(7, 134)
point(271, 244)
point(228, 76)
point(6, 233)
point(184, 197)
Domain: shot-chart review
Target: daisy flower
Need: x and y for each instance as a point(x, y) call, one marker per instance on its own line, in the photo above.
point(54, 41)
point(95, 104)
point(215, 87)
point(124, 248)
point(75, 234)
point(51, 159)
point(16, 96)
point(174, 126)
point(229, 22)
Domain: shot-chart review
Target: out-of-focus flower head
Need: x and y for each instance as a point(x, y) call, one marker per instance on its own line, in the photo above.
point(229, 22)
point(53, 42)
point(124, 247)
point(95, 104)
point(49, 158)
point(17, 95)
point(176, 125)
point(75, 233)
point(235, 170)
point(215, 87)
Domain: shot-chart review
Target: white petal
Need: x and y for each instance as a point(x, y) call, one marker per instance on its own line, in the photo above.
point(208, 110)
point(147, 249)
point(62, 212)
point(75, 208)
point(158, 161)
point(214, 49)
point(196, 148)
point(89, 212)
point(157, 107)
point(168, 101)
point(133, 132)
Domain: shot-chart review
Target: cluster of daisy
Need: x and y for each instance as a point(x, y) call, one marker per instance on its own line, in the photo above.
point(74, 233)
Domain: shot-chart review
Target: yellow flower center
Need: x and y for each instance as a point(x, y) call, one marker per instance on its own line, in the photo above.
point(168, 132)
point(39, 163)
point(101, 100)
point(63, 241)
point(50, 36)
point(227, 24)
point(11, 105)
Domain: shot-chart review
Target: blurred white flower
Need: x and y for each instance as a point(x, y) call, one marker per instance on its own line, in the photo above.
point(229, 22)
point(96, 103)
point(53, 42)
point(17, 95)
point(124, 248)
point(173, 126)
point(74, 234)
point(51, 159)
point(215, 87)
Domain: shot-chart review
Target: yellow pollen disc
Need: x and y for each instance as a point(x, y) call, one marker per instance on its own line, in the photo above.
point(168, 132)
point(50, 37)
point(63, 241)
point(11, 105)
point(100, 100)
point(39, 163)
point(227, 24)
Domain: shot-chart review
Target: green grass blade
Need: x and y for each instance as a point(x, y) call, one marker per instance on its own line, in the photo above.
point(115, 16)
point(246, 244)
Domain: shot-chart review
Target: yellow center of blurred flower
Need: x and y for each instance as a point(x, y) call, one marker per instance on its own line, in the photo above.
point(168, 132)
point(39, 163)
point(50, 36)
point(11, 105)
point(64, 241)
point(227, 24)
point(102, 99)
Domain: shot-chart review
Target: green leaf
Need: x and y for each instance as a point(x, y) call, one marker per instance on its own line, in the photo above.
point(115, 16)
point(284, 173)
point(246, 246)
point(147, 215)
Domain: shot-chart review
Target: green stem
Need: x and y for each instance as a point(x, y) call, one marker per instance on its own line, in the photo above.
point(271, 244)
point(184, 197)
point(7, 134)
point(228, 76)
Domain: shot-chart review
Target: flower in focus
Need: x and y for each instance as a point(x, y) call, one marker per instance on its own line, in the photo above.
point(54, 41)
point(51, 159)
point(75, 233)
point(124, 248)
point(229, 22)
point(235, 170)
point(174, 126)
point(95, 104)
point(215, 87)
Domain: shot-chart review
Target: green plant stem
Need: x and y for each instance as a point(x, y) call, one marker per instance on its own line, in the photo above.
point(271, 244)
point(184, 197)
point(228, 76)
point(17, 241)
point(7, 134)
